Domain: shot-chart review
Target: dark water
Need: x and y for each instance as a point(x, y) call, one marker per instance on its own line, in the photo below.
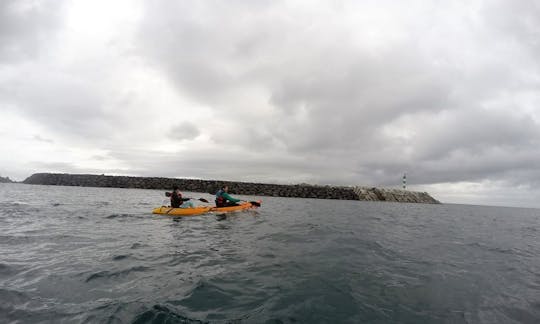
point(90, 255)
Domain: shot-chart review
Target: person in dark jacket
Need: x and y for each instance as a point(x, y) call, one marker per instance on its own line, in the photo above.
point(177, 201)
point(223, 199)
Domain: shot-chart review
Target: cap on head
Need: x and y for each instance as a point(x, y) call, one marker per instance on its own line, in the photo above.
point(175, 188)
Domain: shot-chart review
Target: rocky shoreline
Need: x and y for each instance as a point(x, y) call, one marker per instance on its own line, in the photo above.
point(243, 188)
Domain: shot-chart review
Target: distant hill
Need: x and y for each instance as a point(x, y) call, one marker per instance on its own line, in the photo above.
point(5, 180)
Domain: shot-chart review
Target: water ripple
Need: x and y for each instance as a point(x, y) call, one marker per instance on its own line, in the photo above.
point(114, 274)
point(97, 255)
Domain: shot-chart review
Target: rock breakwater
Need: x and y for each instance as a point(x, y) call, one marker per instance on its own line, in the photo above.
point(5, 180)
point(243, 188)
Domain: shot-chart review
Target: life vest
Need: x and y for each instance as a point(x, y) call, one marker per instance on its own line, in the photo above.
point(220, 200)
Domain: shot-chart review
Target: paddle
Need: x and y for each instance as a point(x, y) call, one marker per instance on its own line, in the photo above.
point(168, 194)
point(255, 203)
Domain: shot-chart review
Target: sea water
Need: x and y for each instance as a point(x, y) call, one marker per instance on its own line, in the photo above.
point(98, 255)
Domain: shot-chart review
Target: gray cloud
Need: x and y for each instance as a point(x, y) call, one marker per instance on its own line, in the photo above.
point(343, 93)
point(25, 26)
point(333, 99)
point(39, 138)
point(184, 131)
point(58, 100)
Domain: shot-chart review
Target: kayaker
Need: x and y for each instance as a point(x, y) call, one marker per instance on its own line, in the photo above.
point(223, 199)
point(178, 202)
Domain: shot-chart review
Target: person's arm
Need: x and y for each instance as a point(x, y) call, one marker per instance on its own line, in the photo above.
point(185, 199)
point(228, 197)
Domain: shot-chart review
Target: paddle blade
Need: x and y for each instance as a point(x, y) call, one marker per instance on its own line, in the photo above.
point(203, 200)
point(255, 203)
point(167, 194)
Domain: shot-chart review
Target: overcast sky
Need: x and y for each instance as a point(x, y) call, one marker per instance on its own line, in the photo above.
point(325, 92)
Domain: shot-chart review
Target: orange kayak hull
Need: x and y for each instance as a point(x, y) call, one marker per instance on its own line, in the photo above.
point(181, 211)
point(200, 210)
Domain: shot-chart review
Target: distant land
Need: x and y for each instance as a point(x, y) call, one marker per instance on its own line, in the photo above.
point(5, 180)
point(243, 188)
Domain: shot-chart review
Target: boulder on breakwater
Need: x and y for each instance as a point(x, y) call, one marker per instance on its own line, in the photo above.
point(243, 188)
point(5, 180)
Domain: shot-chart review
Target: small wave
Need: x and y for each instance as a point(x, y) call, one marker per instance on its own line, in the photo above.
point(502, 250)
point(267, 255)
point(100, 203)
point(17, 307)
point(17, 239)
point(279, 321)
point(125, 216)
point(162, 314)
point(137, 246)
point(120, 257)
point(112, 216)
point(17, 209)
point(520, 315)
point(204, 295)
point(475, 244)
point(13, 204)
point(12, 297)
point(109, 274)
point(98, 275)
point(7, 270)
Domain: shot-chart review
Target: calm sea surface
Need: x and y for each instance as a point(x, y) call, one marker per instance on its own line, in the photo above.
point(98, 255)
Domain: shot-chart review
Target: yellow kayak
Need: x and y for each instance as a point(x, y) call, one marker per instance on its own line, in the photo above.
point(181, 211)
point(199, 210)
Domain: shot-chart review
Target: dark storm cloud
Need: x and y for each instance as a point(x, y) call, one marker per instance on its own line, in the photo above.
point(325, 93)
point(475, 131)
point(333, 98)
point(465, 145)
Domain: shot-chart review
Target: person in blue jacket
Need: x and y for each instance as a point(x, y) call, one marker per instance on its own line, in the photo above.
point(223, 199)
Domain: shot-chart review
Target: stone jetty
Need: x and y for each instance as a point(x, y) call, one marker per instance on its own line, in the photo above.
point(243, 188)
point(5, 180)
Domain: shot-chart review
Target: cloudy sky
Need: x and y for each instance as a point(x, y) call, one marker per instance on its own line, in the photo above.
point(326, 92)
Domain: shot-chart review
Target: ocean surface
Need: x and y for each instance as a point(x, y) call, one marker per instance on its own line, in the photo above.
point(98, 255)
